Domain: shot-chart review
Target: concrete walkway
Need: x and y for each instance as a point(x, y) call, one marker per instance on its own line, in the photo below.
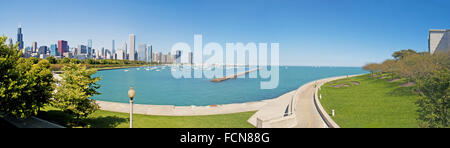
point(307, 114)
point(305, 110)
point(169, 110)
point(32, 122)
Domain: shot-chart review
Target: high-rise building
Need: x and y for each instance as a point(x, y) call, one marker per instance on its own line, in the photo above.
point(125, 51)
point(20, 37)
point(82, 49)
point(177, 56)
point(150, 53)
point(142, 52)
point(34, 47)
point(43, 50)
point(160, 57)
point(132, 47)
point(63, 47)
point(120, 55)
point(191, 58)
point(89, 48)
point(102, 52)
point(439, 40)
point(113, 49)
point(54, 50)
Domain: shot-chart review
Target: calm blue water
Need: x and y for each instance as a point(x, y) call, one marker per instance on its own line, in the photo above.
point(160, 88)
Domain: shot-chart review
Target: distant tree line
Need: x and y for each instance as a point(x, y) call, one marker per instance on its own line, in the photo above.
point(27, 85)
point(66, 60)
point(431, 73)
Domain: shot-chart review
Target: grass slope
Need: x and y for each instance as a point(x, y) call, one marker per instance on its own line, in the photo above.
point(374, 103)
point(107, 119)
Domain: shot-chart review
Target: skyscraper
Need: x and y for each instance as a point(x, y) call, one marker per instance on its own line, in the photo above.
point(89, 48)
point(177, 56)
point(150, 54)
point(142, 52)
point(62, 47)
point(102, 52)
point(132, 47)
point(20, 37)
point(125, 51)
point(34, 47)
point(54, 50)
point(43, 50)
point(113, 49)
point(120, 55)
point(82, 49)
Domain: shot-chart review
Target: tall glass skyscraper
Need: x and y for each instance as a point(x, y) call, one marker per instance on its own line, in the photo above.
point(132, 47)
point(54, 50)
point(89, 48)
point(142, 52)
point(150, 53)
point(125, 51)
point(20, 37)
point(113, 49)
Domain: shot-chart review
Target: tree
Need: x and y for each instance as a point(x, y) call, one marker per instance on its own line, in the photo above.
point(372, 67)
point(65, 60)
point(52, 60)
point(77, 86)
point(42, 83)
point(433, 101)
point(24, 86)
point(389, 66)
point(402, 53)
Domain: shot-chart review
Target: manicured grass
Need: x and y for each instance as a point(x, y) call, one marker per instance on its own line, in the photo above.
point(374, 103)
point(107, 119)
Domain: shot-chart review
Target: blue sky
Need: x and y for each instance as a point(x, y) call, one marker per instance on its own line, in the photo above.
point(310, 32)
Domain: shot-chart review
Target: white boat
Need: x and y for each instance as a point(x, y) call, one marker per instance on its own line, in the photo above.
point(126, 70)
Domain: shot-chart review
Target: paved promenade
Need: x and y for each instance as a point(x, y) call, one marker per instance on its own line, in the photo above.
point(305, 110)
point(32, 122)
point(307, 114)
point(169, 110)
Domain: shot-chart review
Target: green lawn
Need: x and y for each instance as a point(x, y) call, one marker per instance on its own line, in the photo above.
point(374, 103)
point(107, 119)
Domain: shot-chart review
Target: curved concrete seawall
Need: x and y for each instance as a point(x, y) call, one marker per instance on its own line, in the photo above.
point(299, 109)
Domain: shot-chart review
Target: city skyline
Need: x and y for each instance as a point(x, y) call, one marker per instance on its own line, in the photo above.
point(328, 33)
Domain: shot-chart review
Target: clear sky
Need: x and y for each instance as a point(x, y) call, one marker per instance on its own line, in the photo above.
point(310, 32)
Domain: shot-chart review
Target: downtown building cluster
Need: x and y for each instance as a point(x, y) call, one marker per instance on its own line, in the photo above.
point(61, 49)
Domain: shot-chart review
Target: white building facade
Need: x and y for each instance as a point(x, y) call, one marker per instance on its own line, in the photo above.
point(439, 40)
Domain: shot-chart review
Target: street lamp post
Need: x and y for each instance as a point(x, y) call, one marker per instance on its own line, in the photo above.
point(131, 94)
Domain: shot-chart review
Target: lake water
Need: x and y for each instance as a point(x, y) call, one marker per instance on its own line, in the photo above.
point(161, 88)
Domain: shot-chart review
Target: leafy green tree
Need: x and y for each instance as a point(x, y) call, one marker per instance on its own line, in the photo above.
point(433, 101)
point(52, 60)
point(34, 60)
point(389, 66)
point(65, 60)
point(373, 68)
point(24, 85)
point(77, 86)
point(402, 53)
point(42, 83)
